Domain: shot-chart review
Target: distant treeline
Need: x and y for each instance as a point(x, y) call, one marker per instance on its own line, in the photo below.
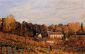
point(10, 25)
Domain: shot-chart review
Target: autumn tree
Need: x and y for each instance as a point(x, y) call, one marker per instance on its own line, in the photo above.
point(17, 28)
point(36, 29)
point(30, 29)
point(9, 24)
point(44, 29)
point(51, 27)
point(24, 28)
point(74, 27)
point(65, 31)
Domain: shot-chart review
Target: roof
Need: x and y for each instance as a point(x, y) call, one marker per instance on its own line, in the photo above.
point(55, 33)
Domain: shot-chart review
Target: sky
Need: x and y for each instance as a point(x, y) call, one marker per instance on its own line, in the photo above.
point(44, 11)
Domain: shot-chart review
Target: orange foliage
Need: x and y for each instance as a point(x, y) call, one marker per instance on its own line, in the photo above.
point(9, 23)
point(74, 26)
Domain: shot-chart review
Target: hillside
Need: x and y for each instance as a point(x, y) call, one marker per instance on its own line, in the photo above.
point(31, 46)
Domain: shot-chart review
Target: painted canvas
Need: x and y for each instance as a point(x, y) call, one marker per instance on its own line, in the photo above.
point(42, 26)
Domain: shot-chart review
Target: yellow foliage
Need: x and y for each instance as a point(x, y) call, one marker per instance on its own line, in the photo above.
point(9, 23)
point(74, 26)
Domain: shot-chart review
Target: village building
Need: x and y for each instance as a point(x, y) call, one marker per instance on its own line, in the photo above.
point(77, 39)
point(55, 35)
point(55, 38)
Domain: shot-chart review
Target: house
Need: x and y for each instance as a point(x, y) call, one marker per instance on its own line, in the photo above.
point(55, 35)
point(38, 37)
point(55, 38)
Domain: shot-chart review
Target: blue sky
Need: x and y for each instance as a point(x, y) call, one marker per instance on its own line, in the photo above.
point(44, 11)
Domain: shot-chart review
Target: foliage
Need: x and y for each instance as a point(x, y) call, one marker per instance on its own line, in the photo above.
point(9, 23)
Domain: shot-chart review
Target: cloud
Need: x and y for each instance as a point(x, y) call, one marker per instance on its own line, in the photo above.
point(49, 11)
point(5, 6)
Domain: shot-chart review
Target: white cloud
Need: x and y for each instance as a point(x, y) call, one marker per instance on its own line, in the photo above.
point(50, 11)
